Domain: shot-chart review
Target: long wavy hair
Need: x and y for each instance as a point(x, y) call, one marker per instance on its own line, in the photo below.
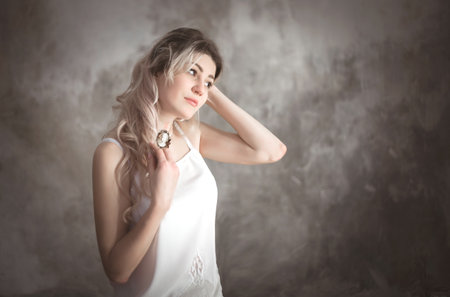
point(137, 120)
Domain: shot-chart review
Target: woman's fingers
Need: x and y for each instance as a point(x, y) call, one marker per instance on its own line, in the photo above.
point(168, 154)
point(162, 154)
point(151, 162)
point(158, 153)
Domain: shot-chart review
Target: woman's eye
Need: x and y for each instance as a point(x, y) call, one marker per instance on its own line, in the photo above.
point(192, 71)
point(208, 84)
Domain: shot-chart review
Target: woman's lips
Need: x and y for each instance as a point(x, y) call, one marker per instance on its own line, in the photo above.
point(191, 101)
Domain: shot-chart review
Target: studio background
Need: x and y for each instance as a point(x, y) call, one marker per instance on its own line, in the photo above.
point(358, 91)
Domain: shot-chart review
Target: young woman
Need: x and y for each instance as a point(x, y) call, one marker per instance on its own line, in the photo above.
point(154, 197)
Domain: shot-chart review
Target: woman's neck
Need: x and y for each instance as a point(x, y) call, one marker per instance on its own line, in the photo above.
point(165, 122)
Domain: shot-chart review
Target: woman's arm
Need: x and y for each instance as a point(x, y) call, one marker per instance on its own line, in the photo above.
point(121, 250)
point(252, 144)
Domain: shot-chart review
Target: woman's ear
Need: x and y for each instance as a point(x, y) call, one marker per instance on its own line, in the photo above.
point(160, 79)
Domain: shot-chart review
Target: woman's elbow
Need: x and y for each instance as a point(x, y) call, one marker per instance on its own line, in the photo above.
point(117, 278)
point(269, 155)
point(275, 155)
point(279, 153)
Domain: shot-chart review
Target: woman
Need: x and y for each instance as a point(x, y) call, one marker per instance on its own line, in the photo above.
point(154, 197)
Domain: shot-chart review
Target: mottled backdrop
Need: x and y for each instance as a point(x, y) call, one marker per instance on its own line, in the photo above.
point(357, 89)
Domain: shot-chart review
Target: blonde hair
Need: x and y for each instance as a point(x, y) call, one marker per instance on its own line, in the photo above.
point(138, 109)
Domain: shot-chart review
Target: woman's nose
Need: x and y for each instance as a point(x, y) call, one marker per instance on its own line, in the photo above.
point(198, 88)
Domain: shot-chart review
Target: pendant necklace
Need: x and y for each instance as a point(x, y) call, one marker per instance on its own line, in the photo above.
point(163, 139)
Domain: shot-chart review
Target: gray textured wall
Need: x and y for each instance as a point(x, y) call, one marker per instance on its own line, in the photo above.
point(358, 90)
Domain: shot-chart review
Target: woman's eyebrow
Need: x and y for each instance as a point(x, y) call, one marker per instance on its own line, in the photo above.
point(201, 70)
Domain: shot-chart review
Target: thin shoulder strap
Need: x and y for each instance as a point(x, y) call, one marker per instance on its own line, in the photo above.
point(109, 139)
point(189, 144)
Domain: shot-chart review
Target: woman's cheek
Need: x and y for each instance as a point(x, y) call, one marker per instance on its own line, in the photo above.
point(203, 102)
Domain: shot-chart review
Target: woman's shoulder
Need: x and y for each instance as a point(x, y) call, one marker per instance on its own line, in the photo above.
point(108, 151)
point(192, 131)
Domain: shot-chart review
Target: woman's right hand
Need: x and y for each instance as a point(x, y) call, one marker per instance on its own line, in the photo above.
point(163, 176)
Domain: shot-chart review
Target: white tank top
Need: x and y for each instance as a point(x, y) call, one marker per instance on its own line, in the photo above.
point(181, 260)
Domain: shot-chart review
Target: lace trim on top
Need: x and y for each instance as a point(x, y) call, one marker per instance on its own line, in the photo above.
point(200, 287)
point(197, 270)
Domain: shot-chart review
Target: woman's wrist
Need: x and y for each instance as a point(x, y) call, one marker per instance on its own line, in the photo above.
point(157, 211)
point(214, 96)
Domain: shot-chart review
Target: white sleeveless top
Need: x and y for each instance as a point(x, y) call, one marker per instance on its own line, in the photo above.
point(181, 260)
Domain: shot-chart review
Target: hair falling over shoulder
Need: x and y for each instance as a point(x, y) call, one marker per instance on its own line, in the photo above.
point(136, 125)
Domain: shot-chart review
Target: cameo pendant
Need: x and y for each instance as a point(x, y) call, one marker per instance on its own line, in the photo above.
point(163, 139)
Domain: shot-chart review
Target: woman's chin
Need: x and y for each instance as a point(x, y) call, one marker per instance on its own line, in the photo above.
point(186, 116)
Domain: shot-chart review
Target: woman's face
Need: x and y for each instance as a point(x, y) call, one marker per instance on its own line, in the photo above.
point(189, 90)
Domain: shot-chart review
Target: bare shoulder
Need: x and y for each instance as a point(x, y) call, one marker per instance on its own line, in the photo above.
point(207, 131)
point(108, 149)
point(107, 154)
point(192, 131)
